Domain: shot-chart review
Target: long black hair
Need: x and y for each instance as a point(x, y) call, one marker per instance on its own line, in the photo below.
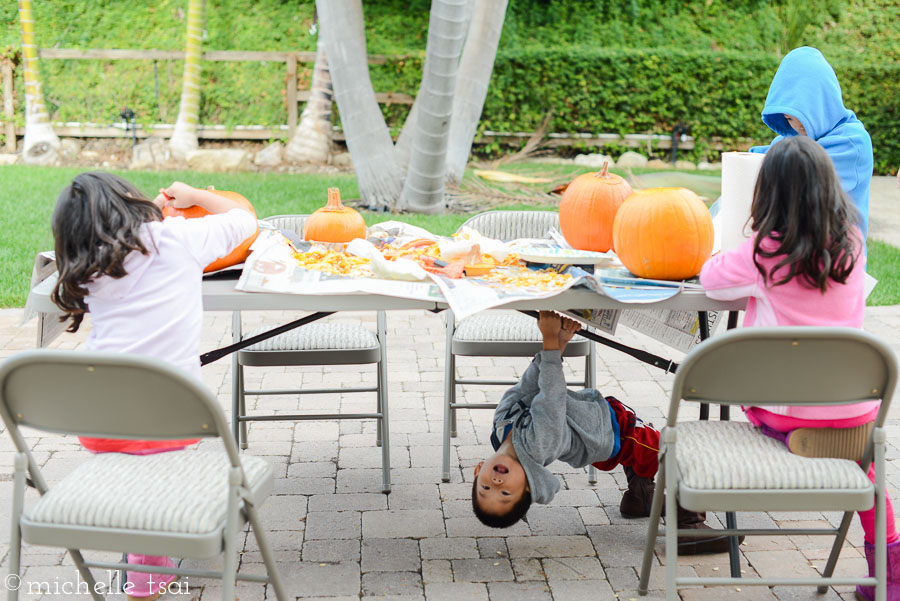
point(799, 203)
point(96, 223)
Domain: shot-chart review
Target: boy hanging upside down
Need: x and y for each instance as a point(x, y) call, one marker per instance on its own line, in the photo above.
point(539, 421)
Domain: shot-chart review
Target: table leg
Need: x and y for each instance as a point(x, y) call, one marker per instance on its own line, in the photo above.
point(703, 318)
point(734, 559)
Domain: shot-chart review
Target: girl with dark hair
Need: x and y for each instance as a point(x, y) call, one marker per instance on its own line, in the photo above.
point(805, 266)
point(139, 276)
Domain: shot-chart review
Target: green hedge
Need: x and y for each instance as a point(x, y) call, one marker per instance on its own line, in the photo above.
point(716, 93)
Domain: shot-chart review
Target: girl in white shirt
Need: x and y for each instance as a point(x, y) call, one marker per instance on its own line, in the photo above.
point(139, 275)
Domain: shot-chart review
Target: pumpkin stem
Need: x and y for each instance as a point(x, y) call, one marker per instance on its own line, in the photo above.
point(604, 172)
point(334, 200)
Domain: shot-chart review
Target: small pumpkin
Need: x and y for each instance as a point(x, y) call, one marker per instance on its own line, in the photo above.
point(334, 222)
point(663, 233)
point(588, 207)
point(239, 254)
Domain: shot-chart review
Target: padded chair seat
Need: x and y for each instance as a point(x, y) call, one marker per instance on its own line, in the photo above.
point(177, 492)
point(328, 343)
point(713, 460)
point(502, 333)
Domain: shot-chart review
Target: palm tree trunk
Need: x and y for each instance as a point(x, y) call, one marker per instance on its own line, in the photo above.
point(404, 140)
point(311, 143)
point(41, 146)
point(379, 177)
point(423, 190)
point(184, 138)
point(475, 69)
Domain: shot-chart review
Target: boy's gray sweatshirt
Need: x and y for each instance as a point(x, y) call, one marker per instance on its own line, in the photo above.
point(550, 422)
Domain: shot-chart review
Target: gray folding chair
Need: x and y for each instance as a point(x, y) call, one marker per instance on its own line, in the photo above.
point(184, 503)
point(317, 343)
point(732, 466)
point(500, 333)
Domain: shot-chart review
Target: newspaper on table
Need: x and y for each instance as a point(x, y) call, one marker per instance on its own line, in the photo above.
point(272, 267)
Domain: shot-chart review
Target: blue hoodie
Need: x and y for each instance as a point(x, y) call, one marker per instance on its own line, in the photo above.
point(806, 87)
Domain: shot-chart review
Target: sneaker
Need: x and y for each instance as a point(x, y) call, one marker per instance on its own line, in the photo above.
point(840, 443)
point(638, 498)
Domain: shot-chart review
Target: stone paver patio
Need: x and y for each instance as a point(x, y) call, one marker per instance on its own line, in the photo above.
point(337, 537)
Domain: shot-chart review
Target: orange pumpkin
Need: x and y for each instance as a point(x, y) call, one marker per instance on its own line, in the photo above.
point(239, 254)
point(588, 207)
point(663, 233)
point(334, 222)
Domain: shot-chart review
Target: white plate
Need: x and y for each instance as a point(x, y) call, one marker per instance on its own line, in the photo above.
point(556, 255)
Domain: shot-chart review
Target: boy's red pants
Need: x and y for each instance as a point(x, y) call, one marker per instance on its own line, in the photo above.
point(639, 443)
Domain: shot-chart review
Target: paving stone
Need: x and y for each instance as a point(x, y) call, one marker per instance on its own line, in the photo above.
point(331, 551)
point(408, 523)
point(803, 593)
point(725, 593)
point(555, 521)
point(414, 496)
point(528, 569)
point(573, 568)
point(348, 502)
point(332, 525)
point(593, 516)
point(392, 584)
point(306, 579)
point(588, 590)
point(780, 564)
point(519, 591)
point(471, 526)
point(285, 512)
point(449, 548)
point(390, 555)
point(312, 469)
point(455, 591)
point(436, 570)
point(492, 547)
point(482, 570)
point(619, 545)
point(550, 546)
point(359, 481)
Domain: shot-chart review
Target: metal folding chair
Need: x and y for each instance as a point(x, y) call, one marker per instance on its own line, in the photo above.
point(318, 343)
point(732, 466)
point(185, 503)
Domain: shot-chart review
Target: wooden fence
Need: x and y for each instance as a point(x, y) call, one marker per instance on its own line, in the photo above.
point(293, 96)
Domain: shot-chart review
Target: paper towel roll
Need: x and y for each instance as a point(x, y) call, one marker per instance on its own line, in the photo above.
point(739, 172)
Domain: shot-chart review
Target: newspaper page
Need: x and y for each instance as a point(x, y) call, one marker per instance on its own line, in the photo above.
point(678, 329)
point(271, 267)
point(468, 296)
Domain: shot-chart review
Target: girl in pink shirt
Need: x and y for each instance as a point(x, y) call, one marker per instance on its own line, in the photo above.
point(805, 266)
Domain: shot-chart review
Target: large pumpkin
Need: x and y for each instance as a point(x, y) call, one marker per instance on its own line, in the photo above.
point(239, 254)
point(588, 207)
point(663, 233)
point(334, 222)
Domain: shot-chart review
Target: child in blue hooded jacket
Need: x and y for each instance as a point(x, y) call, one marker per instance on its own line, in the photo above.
point(805, 99)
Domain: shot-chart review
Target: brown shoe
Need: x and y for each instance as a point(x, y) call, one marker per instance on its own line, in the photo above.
point(703, 545)
point(840, 443)
point(638, 498)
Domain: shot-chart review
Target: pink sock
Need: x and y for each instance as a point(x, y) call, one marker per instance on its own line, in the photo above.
point(867, 517)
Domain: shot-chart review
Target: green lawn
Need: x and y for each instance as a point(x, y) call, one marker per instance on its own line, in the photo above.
point(28, 194)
